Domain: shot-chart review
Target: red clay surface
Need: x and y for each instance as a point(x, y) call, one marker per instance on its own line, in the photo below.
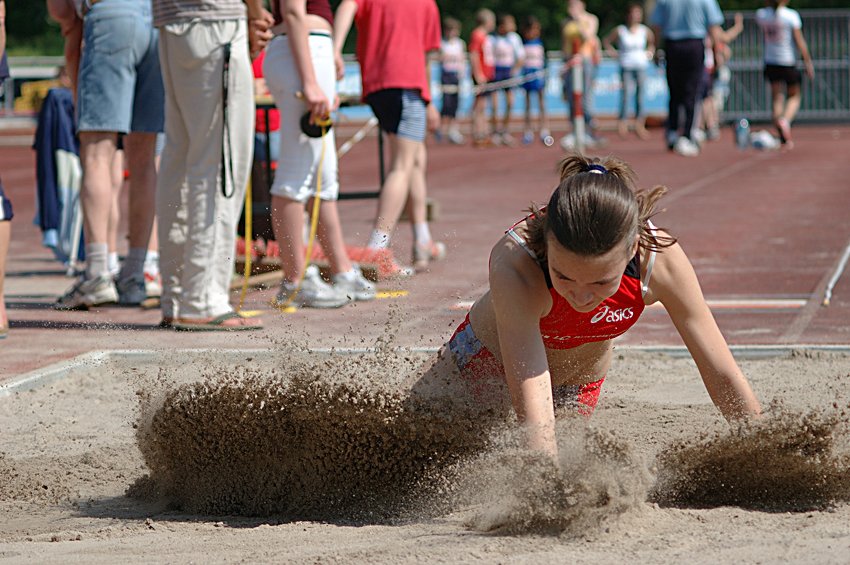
point(758, 226)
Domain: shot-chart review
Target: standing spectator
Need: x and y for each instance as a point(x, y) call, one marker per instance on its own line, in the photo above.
point(119, 91)
point(683, 26)
point(581, 48)
point(534, 63)
point(395, 85)
point(635, 47)
point(781, 25)
point(209, 100)
point(481, 63)
point(5, 204)
point(508, 58)
point(452, 51)
point(301, 60)
point(707, 126)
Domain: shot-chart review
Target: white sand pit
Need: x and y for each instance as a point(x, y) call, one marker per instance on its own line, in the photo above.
point(294, 457)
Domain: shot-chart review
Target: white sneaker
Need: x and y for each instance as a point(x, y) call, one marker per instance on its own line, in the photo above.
point(698, 136)
point(153, 284)
point(314, 292)
point(508, 140)
point(496, 139)
point(456, 137)
point(568, 142)
point(87, 293)
point(131, 291)
point(354, 285)
point(685, 147)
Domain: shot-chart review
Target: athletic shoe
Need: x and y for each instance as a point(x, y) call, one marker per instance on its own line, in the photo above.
point(87, 293)
point(685, 147)
point(312, 293)
point(527, 138)
point(386, 264)
point(438, 136)
point(508, 140)
point(354, 285)
point(424, 254)
point(456, 137)
point(131, 291)
point(698, 136)
point(153, 285)
point(712, 133)
point(568, 142)
point(496, 139)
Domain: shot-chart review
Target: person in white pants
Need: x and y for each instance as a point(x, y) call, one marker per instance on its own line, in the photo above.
point(209, 108)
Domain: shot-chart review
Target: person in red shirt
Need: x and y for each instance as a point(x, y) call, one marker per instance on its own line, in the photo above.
point(564, 282)
point(396, 87)
point(483, 70)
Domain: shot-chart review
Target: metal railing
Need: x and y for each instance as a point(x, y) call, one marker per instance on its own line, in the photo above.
point(826, 98)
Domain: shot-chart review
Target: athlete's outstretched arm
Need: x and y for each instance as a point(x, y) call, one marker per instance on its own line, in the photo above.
point(675, 284)
point(518, 310)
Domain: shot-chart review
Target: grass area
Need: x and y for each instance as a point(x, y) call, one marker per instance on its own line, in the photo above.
point(45, 45)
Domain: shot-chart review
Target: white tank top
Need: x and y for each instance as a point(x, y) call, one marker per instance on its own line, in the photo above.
point(631, 46)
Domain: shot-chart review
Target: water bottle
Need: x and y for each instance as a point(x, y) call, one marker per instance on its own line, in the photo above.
point(742, 134)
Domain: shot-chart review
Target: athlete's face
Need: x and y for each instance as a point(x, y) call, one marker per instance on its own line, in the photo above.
point(585, 281)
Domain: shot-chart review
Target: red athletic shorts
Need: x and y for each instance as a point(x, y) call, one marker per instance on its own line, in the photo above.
point(480, 368)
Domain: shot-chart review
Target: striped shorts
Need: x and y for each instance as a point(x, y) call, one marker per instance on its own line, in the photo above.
point(479, 367)
point(400, 112)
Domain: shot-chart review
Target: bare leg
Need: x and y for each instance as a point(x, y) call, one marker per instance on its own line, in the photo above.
point(97, 151)
point(509, 103)
point(778, 97)
point(288, 225)
point(140, 148)
point(5, 236)
point(397, 184)
point(418, 189)
point(330, 236)
point(792, 103)
point(117, 179)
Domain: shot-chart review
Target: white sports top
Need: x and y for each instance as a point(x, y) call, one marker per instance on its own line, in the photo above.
point(777, 25)
point(631, 46)
point(452, 55)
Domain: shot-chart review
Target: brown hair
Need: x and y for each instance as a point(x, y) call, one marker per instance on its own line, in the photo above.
point(595, 208)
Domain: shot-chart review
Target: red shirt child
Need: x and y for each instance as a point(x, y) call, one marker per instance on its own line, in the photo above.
point(390, 55)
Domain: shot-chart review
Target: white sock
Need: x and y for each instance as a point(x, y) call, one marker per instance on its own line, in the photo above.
point(112, 263)
point(97, 260)
point(422, 234)
point(379, 240)
point(134, 263)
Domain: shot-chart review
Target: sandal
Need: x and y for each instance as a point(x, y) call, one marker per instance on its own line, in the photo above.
point(216, 324)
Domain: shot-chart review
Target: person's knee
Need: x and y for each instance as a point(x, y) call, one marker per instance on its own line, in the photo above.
point(404, 154)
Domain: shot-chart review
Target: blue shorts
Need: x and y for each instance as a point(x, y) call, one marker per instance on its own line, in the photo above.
point(120, 84)
point(503, 73)
point(535, 84)
point(6, 212)
point(400, 112)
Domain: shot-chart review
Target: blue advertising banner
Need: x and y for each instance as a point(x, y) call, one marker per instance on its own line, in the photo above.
point(607, 91)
